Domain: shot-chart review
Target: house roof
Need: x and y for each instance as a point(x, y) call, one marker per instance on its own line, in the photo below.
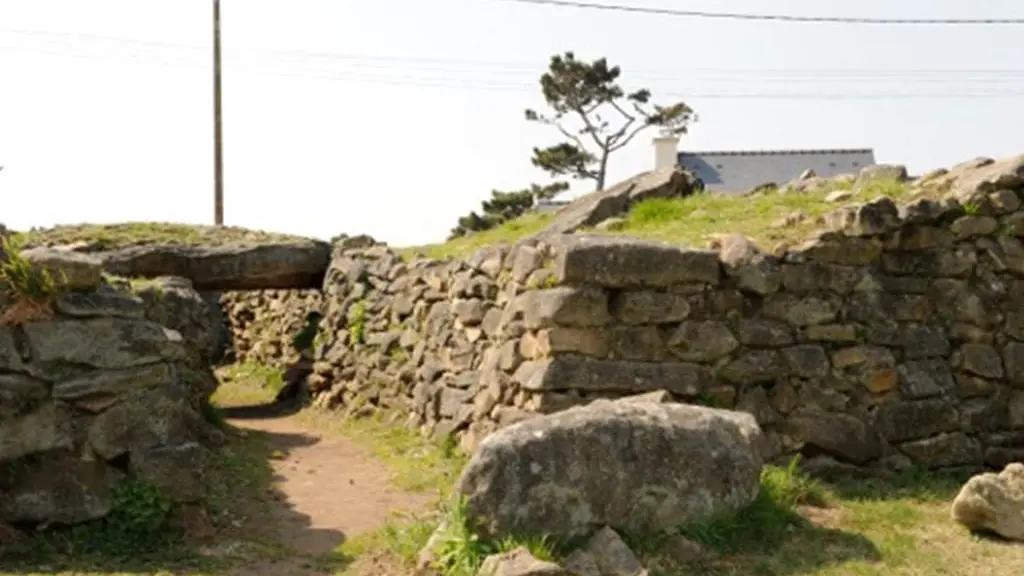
point(777, 152)
point(740, 170)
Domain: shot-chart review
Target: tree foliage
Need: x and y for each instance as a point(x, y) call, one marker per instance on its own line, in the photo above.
point(505, 206)
point(588, 94)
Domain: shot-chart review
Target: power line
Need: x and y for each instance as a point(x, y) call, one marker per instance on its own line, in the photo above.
point(534, 68)
point(772, 17)
point(486, 84)
point(460, 84)
point(371, 61)
point(999, 79)
point(361, 62)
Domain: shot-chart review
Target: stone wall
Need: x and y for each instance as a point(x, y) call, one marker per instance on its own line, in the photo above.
point(895, 336)
point(392, 328)
point(261, 324)
point(93, 392)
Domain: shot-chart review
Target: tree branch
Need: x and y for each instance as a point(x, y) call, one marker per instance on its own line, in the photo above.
point(625, 142)
point(625, 114)
point(589, 127)
point(566, 133)
point(569, 135)
point(613, 140)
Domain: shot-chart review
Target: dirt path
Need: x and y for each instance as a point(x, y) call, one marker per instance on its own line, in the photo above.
point(327, 489)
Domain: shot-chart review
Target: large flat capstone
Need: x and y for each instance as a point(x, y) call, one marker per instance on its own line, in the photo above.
point(276, 266)
point(630, 464)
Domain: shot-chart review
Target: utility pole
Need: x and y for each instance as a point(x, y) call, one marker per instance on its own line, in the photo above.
point(218, 133)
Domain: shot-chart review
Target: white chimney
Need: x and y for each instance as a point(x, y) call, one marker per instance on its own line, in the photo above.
point(666, 151)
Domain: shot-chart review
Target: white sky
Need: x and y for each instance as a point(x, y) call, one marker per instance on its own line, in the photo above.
point(106, 110)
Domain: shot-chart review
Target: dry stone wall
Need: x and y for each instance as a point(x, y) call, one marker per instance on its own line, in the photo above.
point(893, 337)
point(392, 329)
point(98, 391)
point(262, 324)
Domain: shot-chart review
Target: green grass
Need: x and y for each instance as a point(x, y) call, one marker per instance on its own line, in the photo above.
point(505, 234)
point(417, 464)
point(898, 525)
point(694, 220)
point(398, 543)
point(247, 384)
point(111, 236)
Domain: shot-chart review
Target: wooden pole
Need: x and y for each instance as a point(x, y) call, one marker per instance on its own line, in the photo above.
point(218, 133)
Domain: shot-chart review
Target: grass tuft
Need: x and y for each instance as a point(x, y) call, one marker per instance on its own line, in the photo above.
point(658, 212)
point(459, 551)
point(767, 520)
point(27, 291)
point(252, 377)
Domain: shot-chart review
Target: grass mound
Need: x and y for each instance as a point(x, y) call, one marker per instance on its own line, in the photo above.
point(768, 218)
point(97, 237)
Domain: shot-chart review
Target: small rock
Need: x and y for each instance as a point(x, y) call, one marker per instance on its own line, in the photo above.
point(519, 562)
point(582, 563)
point(896, 172)
point(612, 556)
point(683, 550)
point(993, 503)
point(838, 196)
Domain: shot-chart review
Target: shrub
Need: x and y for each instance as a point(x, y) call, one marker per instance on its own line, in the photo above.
point(357, 323)
point(26, 291)
point(138, 523)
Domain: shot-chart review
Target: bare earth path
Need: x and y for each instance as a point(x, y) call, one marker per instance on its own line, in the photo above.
point(326, 489)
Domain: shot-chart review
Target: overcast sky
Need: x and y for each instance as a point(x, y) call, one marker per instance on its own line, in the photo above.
point(394, 117)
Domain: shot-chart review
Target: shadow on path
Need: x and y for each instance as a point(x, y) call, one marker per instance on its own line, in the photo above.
point(263, 411)
point(261, 496)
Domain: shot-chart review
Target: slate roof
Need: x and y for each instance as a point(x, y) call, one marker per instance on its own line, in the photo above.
point(741, 170)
